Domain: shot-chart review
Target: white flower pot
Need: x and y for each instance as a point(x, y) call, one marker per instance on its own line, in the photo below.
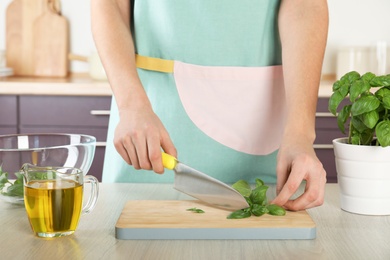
point(363, 174)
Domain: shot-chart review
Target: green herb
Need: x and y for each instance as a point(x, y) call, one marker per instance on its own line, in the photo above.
point(243, 188)
point(259, 210)
point(276, 210)
point(368, 111)
point(9, 188)
point(195, 210)
point(257, 200)
point(242, 213)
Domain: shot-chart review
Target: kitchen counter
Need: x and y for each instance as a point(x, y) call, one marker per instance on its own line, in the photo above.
point(83, 85)
point(74, 85)
point(340, 235)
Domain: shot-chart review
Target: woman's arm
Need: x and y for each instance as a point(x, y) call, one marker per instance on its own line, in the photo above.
point(140, 134)
point(303, 27)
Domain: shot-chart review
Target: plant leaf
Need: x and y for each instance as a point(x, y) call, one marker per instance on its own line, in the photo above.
point(365, 104)
point(370, 118)
point(367, 77)
point(276, 210)
point(336, 85)
point(259, 182)
point(379, 81)
point(15, 190)
point(358, 87)
point(366, 137)
point(196, 210)
point(350, 76)
point(355, 139)
point(259, 210)
point(382, 94)
point(243, 188)
point(343, 116)
point(383, 133)
point(239, 214)
point(358, 124)
point(259, 195)
point(334, 101)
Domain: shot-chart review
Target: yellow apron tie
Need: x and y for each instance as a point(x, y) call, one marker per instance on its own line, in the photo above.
point(155, 64)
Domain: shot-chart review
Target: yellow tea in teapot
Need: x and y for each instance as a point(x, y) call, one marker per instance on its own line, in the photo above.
point(53, 206)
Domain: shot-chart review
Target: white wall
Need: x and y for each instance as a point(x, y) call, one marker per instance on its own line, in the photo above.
point(352, 22)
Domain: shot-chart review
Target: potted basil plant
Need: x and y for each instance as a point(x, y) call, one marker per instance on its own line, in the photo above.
point(362, 106)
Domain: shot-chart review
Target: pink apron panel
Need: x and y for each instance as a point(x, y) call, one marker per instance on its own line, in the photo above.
point(240, 107)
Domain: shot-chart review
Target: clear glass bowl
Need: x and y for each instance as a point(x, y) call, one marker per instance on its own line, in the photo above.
point(68, 150)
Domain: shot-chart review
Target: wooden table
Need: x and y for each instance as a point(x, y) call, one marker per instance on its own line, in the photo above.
point(340, 235)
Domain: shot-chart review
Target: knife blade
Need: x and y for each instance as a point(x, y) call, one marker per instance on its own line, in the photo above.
point(202, 186)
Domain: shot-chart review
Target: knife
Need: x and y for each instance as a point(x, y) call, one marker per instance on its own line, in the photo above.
point(202, 186)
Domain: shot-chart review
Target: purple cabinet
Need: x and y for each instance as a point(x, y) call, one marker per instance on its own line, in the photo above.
point(68, 114)
point(8, 114)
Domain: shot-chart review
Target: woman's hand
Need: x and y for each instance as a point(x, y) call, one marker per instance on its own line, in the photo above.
point(139, 137)
point(303, 27)
point(296, 162)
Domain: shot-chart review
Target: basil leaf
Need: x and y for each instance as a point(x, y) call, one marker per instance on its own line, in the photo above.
point(336, 85)
point(386, 101)
point(355, 139)
point(196, 210)
point(259, 210)
point(342, 117)
point(379, 81)
point(365, 104)
point(358, 124)
point(276, 210)
point(243, 188)
point(367, 77)
point(351, 76)
point(370, 118)
point(358, 87)
point(259, 182)
point(259, 195)
point(239, 214)
point(334, 101)
point(14, 190)
point(366, 137)
point(383, 133)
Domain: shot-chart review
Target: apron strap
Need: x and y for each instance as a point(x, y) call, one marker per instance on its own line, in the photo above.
point(155, 64)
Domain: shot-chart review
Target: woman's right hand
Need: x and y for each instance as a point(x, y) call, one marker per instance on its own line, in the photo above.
point(139, 137)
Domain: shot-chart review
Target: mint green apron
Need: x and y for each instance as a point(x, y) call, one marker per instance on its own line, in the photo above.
point(224, 103)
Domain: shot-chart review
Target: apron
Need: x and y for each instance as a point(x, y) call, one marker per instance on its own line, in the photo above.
point(212, 72)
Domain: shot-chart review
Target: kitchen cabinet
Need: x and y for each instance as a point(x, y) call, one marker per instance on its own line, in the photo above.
point(326, 131)
point(76, 104)
point(8, 114)
point(68, 114)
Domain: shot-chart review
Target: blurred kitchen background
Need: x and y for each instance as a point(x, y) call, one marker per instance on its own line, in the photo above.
point(363, 25)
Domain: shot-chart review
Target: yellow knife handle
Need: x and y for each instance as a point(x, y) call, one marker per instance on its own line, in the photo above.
point(168, 161)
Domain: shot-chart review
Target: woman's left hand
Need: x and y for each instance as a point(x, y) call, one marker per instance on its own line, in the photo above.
point(297, 162)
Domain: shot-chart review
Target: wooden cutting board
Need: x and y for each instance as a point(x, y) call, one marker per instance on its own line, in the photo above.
point(24, 19)
point(20, 15)
point(159, 219)
point(51, 46)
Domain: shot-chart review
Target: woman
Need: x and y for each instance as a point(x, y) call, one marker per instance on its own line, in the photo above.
point(207, 86)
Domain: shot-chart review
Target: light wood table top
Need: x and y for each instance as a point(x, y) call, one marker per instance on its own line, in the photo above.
point(340, 235)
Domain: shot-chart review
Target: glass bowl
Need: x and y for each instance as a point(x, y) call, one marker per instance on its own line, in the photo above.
point(68, 150)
